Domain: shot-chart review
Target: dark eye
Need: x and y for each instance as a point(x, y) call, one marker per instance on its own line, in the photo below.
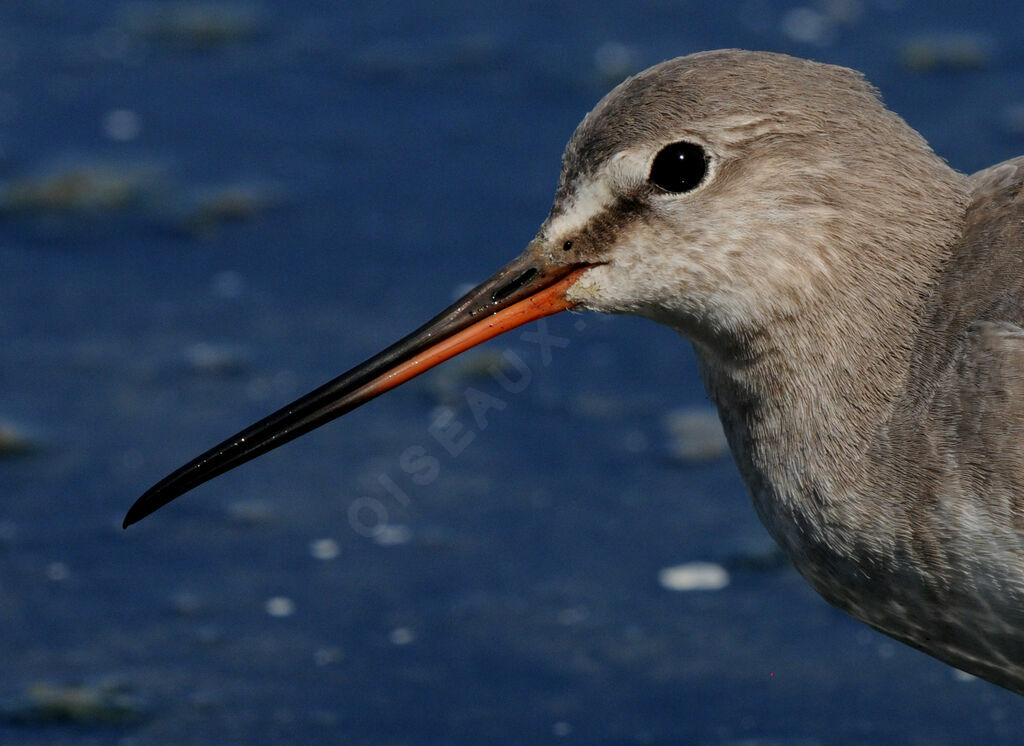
point(679, 167)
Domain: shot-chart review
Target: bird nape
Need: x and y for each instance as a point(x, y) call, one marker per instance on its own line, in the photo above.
point(856, 307)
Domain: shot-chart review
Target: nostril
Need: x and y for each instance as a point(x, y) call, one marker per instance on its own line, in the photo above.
point(506, 290)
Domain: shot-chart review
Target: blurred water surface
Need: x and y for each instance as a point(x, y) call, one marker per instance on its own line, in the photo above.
point(207, 209)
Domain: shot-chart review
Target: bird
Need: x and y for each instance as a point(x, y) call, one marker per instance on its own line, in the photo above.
point(856, 307)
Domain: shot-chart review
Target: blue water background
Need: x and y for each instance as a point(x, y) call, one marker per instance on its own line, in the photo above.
point(387, 154)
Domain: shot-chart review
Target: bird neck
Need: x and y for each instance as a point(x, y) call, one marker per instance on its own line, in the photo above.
point(804, 398)
point(799, 418)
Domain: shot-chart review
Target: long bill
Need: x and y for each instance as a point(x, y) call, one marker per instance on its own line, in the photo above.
point(525, 289)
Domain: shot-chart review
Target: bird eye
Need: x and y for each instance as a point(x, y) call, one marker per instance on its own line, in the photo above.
point(679, 167)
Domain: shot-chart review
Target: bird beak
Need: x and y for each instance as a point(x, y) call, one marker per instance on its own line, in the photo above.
point(526, 289)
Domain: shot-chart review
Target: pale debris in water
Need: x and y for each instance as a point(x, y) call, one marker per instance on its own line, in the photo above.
point(962, 51)
point(209, 208)
point(561, 729)
point(57, 571)
point(402, 636)
point(14, 441)
point(694, 576)
point(324, 549)
point(392, 534)
point(82, 187)
point(121, 125)
point(808, 26)
point(106, 702)
point(606, 406)
point(818, 25)
point(695, 434)
point(279, 606)
point(215, 359)
point(193, 24)
point(614, 62)
point(185, 603)
point(847, 12)
point(251, 512)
